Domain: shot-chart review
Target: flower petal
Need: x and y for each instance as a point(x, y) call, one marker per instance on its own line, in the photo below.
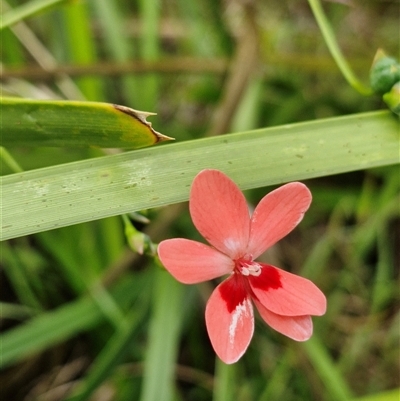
point(277, 214)
point(287, 294)
point(297, 328)
point(220, 213)
point(230, 319)
point(193, 262)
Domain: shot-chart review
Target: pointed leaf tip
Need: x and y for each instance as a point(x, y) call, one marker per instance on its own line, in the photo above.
point(65, 123)
point(142, 117)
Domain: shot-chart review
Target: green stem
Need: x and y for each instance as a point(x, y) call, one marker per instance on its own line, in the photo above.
point(334, 49)
point(18, 277)
point(107, 305)
point(169, 306)
point(10, 161)
point(110, 356)
point(224, 389)
point(26, 10)
point(328, 373)
point(278, 382)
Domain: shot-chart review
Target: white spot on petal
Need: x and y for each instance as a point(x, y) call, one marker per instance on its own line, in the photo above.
point(231, 244)
point(237, 316)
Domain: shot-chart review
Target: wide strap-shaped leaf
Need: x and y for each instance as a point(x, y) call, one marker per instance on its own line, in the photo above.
point(62, 195)
point(28, 122)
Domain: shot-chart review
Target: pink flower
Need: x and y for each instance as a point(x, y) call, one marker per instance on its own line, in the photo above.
point(220, 213)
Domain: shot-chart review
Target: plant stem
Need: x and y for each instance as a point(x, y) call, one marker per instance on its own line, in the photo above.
point(26, 10)
point(334, 49)
point(9, 160)
point(327, 371)
point(224, 389)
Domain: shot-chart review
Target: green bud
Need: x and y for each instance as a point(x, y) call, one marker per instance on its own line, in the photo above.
point(139, 242)
point(385, 72)
point(392, 98)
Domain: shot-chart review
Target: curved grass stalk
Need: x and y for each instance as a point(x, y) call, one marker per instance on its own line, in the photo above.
point(9, 160)
point(334, 49)
point(26, 10)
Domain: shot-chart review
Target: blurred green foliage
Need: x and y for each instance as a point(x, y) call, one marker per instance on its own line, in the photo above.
point(83, 316)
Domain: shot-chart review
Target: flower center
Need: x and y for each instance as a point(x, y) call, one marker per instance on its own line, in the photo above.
point(248, 267)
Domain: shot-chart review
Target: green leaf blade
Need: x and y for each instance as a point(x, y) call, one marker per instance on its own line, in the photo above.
point(74, 124)
point(62, 195)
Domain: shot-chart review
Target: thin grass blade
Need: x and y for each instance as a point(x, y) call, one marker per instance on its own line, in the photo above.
point(53, 327)
point(26, 10)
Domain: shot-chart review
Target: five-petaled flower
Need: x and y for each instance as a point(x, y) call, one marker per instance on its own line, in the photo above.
point(220, 213)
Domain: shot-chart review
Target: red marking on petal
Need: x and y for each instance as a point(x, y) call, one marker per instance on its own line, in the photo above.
point(295, 296)
point(233, 292)
point(268, 279)
point(230, 332)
